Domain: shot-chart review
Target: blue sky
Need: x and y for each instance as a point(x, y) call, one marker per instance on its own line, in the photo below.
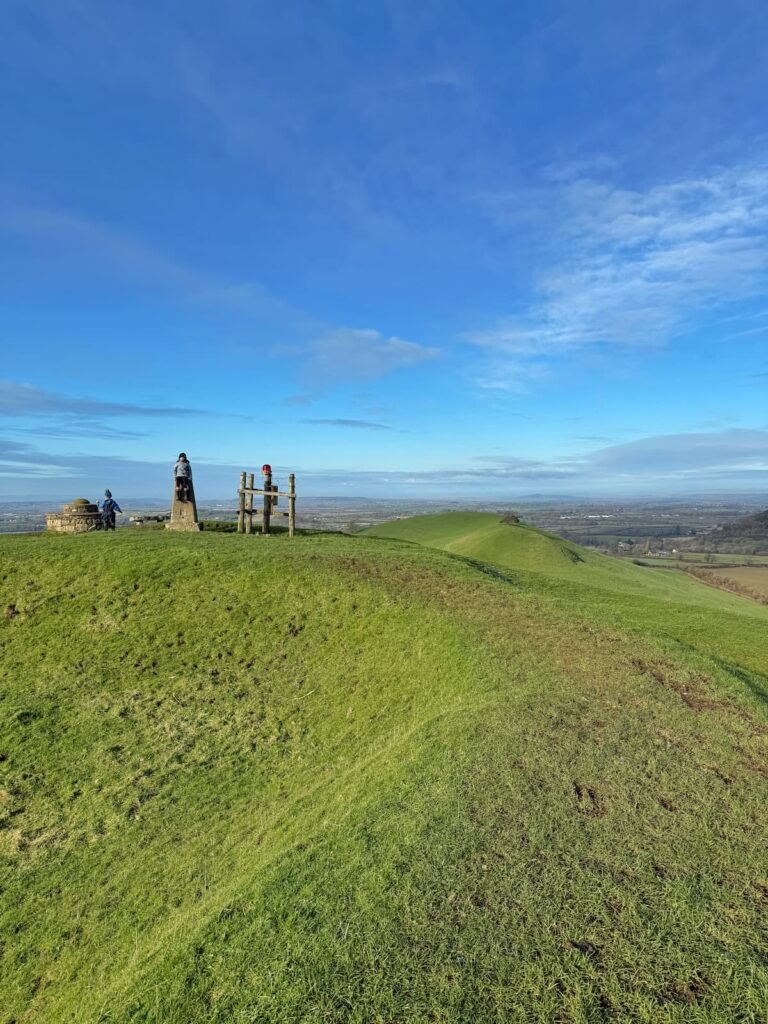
point(402, 249)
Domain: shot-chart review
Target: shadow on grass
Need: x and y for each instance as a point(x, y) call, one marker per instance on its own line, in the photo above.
point(488, 570)
point(484, 567)
point(755, 682)
point(226, 526)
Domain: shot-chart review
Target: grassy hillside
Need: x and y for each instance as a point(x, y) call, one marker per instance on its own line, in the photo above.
point(353, 779)
point(665, 604)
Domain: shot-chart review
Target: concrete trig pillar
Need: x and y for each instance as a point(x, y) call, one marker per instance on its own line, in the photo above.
point(184, 513)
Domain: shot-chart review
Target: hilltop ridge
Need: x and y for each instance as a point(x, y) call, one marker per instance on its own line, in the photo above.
point(611, 589)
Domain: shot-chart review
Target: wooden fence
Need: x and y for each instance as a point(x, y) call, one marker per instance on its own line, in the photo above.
point(270, 496)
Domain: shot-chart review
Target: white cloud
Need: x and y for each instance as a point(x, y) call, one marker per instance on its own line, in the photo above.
point(353, 354)
point(633, 268)
point(711, 454)
point(350, 424)
point(27, 400)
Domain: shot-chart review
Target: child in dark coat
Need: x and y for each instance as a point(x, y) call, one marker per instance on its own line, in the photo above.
point(108, 509)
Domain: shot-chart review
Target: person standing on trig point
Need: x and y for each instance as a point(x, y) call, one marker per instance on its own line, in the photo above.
point(182, 476)
point(183, 506)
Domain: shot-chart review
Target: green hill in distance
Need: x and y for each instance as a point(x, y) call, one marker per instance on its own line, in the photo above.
point(456, 770)
point(747, 535)
point(659, 602)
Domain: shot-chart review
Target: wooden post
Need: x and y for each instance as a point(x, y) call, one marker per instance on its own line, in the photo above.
point(291, 504)
point(267, 501)
point(249, 506)
point(241, 505)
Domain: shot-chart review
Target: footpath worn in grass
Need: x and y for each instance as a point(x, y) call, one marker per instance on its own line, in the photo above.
point(351, 779)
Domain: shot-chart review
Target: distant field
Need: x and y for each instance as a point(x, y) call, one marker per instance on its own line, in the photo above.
point(719, 558)
point(701, 558)
point(755, 578)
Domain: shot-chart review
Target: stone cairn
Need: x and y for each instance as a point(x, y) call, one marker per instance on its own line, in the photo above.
point(79, 516)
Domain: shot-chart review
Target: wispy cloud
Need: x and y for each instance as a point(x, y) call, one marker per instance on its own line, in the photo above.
point(671, 463)
point(350, 424)
point(354, 354)
point(733, 452)
point(60, 417)
point(752, 330)
point(667, 463)
point(27, 469)
point(27, 400)
point(631, 268)
point(67, 428)
point(299, 400)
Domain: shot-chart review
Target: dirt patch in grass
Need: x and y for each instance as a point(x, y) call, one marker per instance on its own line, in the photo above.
point(588, 801)
point(725, 779)
point(691, 691)
point(686, 992)
point(587, 949)
point(695, 692)
point(663, 872)
point(758, 767)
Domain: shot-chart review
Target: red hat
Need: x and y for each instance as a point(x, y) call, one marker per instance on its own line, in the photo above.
point(266, 468)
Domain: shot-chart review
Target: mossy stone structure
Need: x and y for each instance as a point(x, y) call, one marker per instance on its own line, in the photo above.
point(79, 516)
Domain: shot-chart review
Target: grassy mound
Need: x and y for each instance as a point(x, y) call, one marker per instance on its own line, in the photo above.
point(351, 779)
point(664, 603)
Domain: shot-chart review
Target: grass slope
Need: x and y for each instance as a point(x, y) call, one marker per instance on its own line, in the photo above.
point(666, 604)
point(351, 779)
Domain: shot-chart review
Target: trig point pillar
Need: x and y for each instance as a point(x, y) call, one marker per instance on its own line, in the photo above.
point(184, 513)
point(184, 509)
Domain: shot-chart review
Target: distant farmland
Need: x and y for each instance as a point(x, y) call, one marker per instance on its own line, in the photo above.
point(753, 576)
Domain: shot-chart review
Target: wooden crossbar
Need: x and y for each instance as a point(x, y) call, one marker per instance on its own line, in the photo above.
point(260, 512)
point(260, 490)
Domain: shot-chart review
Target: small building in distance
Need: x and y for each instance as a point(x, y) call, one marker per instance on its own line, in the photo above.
point(140, 520)
point(79, 516)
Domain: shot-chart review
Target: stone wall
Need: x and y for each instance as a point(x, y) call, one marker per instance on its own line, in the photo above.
point(79, 516)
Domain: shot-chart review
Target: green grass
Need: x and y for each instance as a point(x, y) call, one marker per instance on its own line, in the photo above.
point(354, 779)
point(669, 605)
